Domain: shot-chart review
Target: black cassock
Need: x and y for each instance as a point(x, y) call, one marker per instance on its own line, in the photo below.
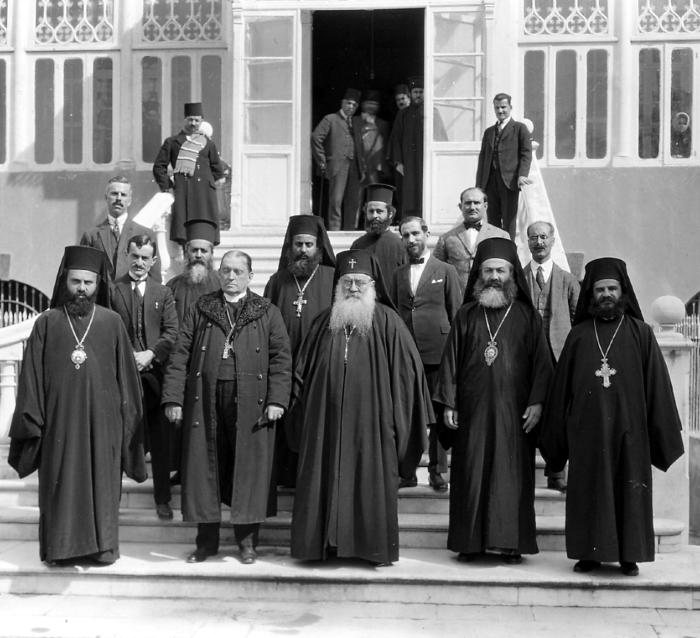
point(80, 427)
point(611, 438)
point(356, 428)
point(492, 478)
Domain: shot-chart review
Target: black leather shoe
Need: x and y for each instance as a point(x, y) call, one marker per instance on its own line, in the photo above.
point(585, 566)
point(164, 511)
point(512, 559)
point(467, 557)
point(199, 555)
point(629, 569)
point(436, 481)
point(408, 482)
point(248, 555)
point(557, 484)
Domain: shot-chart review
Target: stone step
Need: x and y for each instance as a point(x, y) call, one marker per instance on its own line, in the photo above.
point(415, 530)
point(157, 570)
point(421, 499)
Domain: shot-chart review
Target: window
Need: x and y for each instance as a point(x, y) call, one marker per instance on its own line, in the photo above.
point(3, 111)
point(665, 102)
point(79, 130)
point(574, 125)
point(177, 77)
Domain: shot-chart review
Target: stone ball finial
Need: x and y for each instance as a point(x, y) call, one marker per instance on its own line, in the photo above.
point(667, 311)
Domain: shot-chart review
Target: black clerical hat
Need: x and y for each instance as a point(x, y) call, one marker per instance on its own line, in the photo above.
point(606, 268)
point(416, 82)
point(199, 229)
point(83, 258)
point(362, 262)
point(193, 108)
point(307, 225)
point(379, 193)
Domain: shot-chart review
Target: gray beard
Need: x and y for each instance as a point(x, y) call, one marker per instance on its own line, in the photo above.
point(495, 296)
point(196, 273)
point(353, 311)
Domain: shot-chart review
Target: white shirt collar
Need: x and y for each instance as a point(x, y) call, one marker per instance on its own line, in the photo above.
point(121, 220)
point(546, 268)
point(501, 125)
point(235, 298)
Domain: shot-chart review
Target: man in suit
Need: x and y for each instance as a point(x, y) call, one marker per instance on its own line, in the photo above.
point(111, 235)
point(148, 312)
point(333, 148)
point(504, 164)
point(371, 138)
point(427, 295)
point(197, 170)
point(554, 294)
point(458, 245)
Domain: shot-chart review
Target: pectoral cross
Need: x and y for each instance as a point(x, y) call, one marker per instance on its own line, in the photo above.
point(605, 372)
point(299, 303)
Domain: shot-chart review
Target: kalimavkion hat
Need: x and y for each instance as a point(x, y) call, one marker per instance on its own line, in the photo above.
point(201, 230)
point(83, 258)
point(193, 109)
point(416, 82)
point(379, 193)
point(354, 262)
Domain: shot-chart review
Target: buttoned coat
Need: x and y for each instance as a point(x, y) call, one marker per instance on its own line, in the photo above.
point(429, 313)
point(160, 325)
point(563, 297)
point(453, 248)
point(263, 376)
point(195, 195)
point(101, 237)
point(514, 154)
point(332, 144)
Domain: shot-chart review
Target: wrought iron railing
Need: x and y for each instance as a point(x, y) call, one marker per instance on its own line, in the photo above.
point(690, 328)
point(19, 302)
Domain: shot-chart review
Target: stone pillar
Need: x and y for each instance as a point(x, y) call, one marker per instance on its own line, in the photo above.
point(672, 488)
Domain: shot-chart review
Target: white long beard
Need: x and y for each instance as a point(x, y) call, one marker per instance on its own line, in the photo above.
point(196, 273)
point(353, 311)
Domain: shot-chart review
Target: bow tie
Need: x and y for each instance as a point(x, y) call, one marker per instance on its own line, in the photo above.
point(417, 260)
point(475, 226)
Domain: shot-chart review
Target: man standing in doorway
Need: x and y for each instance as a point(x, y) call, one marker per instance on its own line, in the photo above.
point(504, 164)
point(333, 149)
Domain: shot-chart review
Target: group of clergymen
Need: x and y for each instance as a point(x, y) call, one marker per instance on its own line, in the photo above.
point(330, 382)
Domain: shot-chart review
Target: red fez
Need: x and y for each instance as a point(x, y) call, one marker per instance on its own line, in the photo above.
point(352, 94)
point(193, 109)
point(201, 230)
point(379, 193)
point(83, 258)
point(354, 262)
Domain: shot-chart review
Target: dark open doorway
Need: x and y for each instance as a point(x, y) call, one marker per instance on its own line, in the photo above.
point(363, 50)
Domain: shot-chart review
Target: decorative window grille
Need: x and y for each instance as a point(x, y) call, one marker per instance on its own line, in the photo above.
point(182, 21)
point(668, 16)
point(19, 302)
point(73, 21)
point(565, 17)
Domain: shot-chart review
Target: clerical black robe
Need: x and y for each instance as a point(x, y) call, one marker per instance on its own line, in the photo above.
point(80, 428)
point(388, 250)
point(406, 147)
point(357, 427)
point(282, 291)
point(611, 438)
point(186, 293)
point(492, 478)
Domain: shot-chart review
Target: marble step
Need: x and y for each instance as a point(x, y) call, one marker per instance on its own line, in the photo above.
point(421, 577)
point(415, 530)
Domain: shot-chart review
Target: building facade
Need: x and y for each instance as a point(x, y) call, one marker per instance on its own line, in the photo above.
point(90, 88)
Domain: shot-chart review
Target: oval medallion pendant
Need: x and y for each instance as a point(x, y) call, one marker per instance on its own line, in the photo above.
point(490, 353)
point(78, 357)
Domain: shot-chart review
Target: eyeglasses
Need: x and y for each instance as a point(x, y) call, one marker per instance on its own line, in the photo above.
point(359, 283)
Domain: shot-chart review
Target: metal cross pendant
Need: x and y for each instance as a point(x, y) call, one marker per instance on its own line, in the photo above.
point(228, 350)
point(605, 372)
point(299, 304)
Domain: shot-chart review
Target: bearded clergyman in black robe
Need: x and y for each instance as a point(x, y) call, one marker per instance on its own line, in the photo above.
point(77, 414)
point(611, 413)
point(493, 380)
point(359, 417)
point(301, 288)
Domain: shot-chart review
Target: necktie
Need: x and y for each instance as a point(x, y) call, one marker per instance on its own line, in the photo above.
point(417, 260)
point(115, 230)
point(539, 277)
point(476, 226)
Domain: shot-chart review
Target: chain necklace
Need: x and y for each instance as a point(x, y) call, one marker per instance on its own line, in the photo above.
point(300, 302)
point(605, 371)
point(491, 350)
point(78, 356)
point(348, 334)
point(228, 343)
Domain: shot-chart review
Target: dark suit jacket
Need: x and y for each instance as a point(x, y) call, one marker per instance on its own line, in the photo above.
point(514, 154)
point(159, 315)
point(332, 144)
point(429, 313)
point(375, 159)
point(100, 237)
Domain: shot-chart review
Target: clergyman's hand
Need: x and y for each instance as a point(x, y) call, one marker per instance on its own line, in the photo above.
point(532, 416)
point(451, 418)
point(273, 412)
point(173, 412)
point(524, 181)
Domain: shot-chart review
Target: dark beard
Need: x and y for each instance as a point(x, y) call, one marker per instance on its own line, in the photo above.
point(303, 265)
point(75, 305)
point(608, 314)
point(196, 272)
point(495, 294)
point(375, 227)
